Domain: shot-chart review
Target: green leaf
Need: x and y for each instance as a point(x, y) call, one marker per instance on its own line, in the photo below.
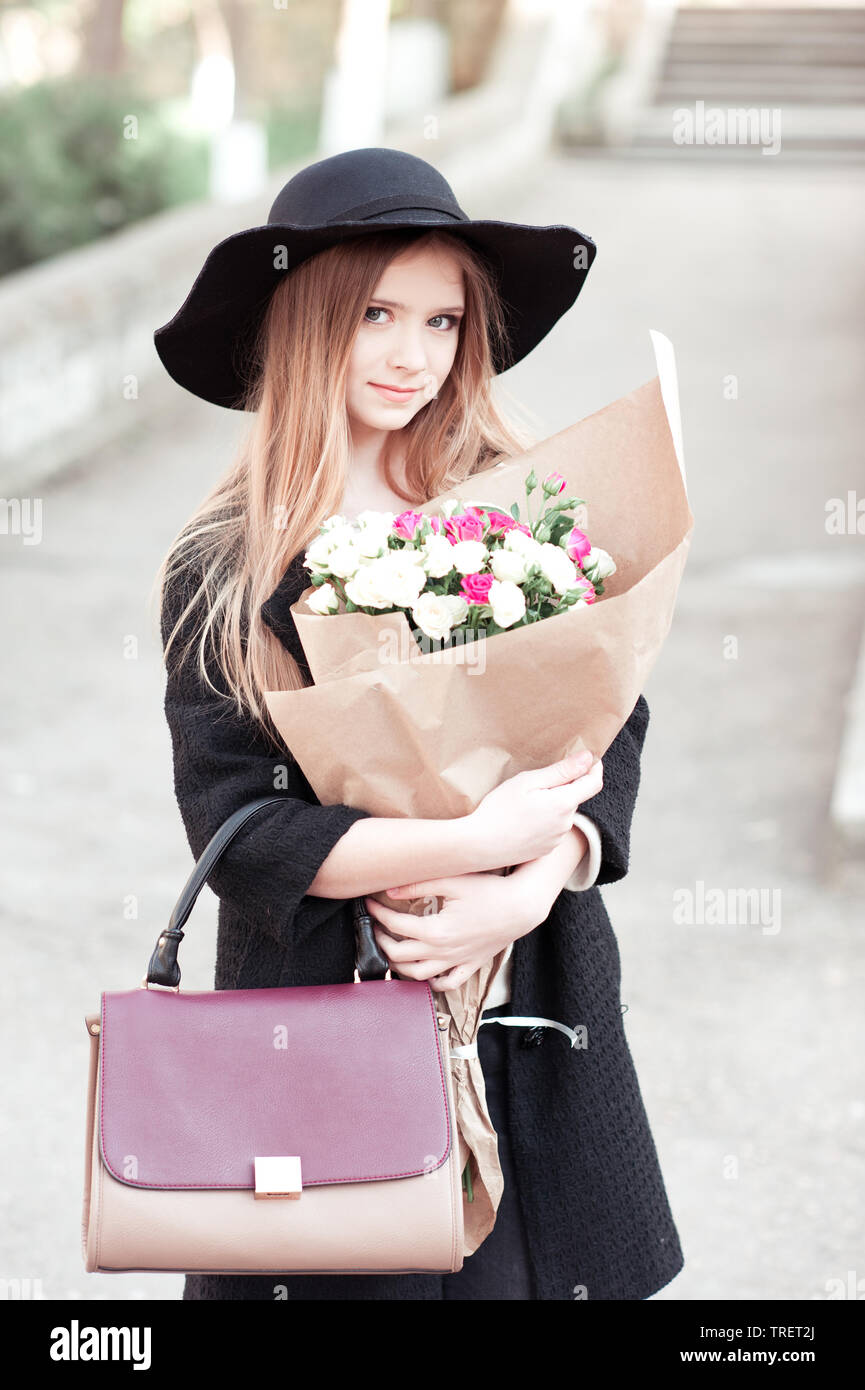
point(467, 1182)
point(562, 526)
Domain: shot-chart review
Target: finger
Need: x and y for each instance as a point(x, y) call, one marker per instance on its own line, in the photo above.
point(589, 774)
point(452, 979)
point(572, 793)
point(442, 986)
point(422, 969)
point(429, 887)
point(425, 928)
point(390, 917)
point(410, 949)
point(589, 785)
point(565, 770)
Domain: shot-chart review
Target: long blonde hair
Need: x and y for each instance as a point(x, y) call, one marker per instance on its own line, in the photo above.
point(291, 471)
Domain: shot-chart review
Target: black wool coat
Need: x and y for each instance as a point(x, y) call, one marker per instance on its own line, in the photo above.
point(593, 1199)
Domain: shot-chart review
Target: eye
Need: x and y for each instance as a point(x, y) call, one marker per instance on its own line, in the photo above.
point(452, 319)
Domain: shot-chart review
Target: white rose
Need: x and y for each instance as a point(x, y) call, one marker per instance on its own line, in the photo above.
point(507, 601)
point(508, 564)
point(365, 588)
point(372, 532)
point(397, 579)
point(524, 545)
point(557, 567)
point(344, 534)
point(458, 606)
point(598, 564)
point(344, 561)
point(434, 615)
point(333, 521)
point(370, 546)
point(318, 554)
point(375, 521)
point(324, 600)
point(436, 556)
point(469, 557)
point(408, 577)
point(447, 509)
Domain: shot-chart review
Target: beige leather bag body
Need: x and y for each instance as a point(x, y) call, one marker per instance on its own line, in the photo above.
point(307, 1129)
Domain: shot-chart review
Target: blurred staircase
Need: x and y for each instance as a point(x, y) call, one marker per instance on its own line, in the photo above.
point(809, 64)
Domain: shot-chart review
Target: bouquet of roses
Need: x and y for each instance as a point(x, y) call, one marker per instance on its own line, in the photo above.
point(427, 733)
point(399, 728)
point(471, 572)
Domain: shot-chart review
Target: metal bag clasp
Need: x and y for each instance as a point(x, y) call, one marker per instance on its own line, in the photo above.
point(278, 1176)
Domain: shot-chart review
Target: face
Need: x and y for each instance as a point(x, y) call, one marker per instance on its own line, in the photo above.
point(407, 339)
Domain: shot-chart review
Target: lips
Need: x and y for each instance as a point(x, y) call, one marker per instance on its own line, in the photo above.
point(394, 393)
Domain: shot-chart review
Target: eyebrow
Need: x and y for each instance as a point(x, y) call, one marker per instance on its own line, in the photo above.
point(395, 304)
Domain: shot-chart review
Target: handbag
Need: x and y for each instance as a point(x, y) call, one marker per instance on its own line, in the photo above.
point(306, 1129)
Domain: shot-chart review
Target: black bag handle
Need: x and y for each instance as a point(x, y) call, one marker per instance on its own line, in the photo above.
point(163, 968)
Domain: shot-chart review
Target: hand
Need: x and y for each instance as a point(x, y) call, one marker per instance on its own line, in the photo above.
point(482, 913)
point(544, 878)
point(528, 815)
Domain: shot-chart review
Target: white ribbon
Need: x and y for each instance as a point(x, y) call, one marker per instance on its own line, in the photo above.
point(520, 1020)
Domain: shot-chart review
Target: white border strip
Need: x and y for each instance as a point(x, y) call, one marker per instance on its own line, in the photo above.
point(665, 359)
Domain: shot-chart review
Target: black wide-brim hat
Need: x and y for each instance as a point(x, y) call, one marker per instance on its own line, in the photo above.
point(539, 271)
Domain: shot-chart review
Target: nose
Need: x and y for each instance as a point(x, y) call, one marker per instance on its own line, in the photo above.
point(407, 349)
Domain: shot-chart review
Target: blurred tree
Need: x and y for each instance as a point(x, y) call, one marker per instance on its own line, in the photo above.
point(474, 27)
point(103, 49)
point(239, 18)
point(621, 19)
point(417, 9)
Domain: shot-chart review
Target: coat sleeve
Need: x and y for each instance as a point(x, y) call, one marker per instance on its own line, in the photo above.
point(585, 875)
point(612, 809)
point(223, 761)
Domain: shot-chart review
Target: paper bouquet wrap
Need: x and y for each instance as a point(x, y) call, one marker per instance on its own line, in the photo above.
point(402, 732)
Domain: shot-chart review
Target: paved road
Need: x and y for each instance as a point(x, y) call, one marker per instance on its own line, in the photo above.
point(746, 1034)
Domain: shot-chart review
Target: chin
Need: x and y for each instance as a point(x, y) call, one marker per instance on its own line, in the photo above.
point(387, 420)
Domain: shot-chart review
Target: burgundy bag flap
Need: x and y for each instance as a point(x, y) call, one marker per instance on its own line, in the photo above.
point(196, 1085)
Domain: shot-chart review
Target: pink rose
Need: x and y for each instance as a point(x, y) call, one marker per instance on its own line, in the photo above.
point(587, 588)
point(501, 521)
point(578, 545)
point(436, 524)
point(406, 524)
point(475, 588)
point(553, 484)
point(465, 526)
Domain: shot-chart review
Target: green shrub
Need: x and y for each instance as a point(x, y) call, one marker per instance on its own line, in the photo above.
point(69, 174)
point(291, 134)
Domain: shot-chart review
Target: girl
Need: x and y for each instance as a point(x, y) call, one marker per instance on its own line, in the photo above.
point(363, 325)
